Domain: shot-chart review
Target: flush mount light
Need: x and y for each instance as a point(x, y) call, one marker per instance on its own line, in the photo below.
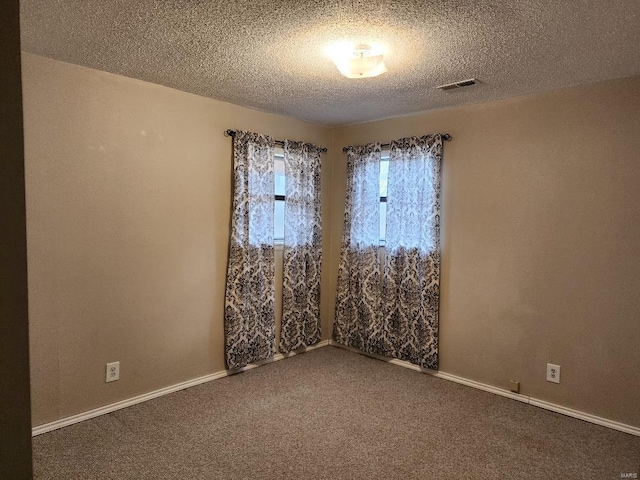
point(359, 61)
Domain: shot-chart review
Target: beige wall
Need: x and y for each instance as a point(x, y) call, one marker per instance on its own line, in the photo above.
point(128, 200)
point(541, 241)
point(128, 210)
point(15, 418)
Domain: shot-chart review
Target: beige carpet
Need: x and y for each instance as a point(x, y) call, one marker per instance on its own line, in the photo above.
point(334, 414)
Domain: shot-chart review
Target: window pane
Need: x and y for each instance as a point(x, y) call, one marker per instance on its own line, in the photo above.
point(280, 189)
point(383, 221)
point(278, 169)
point(278, 221)
point(384, 175)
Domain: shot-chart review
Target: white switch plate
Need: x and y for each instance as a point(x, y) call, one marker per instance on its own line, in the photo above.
point(553, 373)
point(113, 372)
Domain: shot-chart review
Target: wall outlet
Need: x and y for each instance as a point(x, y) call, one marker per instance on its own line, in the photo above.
point(553, 373)
point(113, 372)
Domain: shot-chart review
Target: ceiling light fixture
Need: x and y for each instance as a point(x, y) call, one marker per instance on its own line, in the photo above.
point(359, 61)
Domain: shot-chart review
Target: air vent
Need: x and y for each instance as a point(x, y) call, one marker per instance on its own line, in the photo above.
point(460, 84)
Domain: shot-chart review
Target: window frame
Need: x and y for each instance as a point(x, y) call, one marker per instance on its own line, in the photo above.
point(384, 157)
point(278, 157)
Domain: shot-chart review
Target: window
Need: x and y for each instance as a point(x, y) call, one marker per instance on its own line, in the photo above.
point(384, 175)
point(280, 191)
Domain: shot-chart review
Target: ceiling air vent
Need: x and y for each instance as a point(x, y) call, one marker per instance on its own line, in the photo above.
point(460, 84)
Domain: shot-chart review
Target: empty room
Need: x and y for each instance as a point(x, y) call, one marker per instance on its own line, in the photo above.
point(320, 239)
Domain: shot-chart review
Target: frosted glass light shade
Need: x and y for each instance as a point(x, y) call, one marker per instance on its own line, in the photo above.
point(362, 62)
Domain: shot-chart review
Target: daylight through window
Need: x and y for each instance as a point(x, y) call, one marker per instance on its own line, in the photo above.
point(280, 191)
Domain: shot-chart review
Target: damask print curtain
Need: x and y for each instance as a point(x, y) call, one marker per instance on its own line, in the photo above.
point(249, 320)
point(411, 280)
point(302, 247)
point(357, 320)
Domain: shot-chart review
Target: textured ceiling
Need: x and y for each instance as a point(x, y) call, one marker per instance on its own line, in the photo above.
point(268, 55)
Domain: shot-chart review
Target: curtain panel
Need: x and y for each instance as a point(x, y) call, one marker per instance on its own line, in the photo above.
point(302, 247)
point(357, 318)
point(394, 314)
point(411, 280)
point(249, 319)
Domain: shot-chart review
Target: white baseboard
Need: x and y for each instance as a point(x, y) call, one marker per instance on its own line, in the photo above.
point(64, 422)
point(47, 427)
point(587, 417)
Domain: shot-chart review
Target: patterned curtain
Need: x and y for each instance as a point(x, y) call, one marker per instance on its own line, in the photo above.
point(302, 248)
point(411, 282)
point(249, 320)
point(357, 321)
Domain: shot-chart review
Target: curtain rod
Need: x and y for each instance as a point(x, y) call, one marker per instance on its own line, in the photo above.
point(231, 133)
point(445, 136)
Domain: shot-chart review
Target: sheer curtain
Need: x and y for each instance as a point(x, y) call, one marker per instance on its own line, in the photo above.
point(302, 247)
point(249, 320)
point(411, 281)
point(357, 319)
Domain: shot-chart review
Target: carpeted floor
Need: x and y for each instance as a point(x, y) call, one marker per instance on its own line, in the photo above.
point(334, 414)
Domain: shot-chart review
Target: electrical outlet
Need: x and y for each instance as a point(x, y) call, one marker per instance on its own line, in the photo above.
point(553, 373)
point(113, 372)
